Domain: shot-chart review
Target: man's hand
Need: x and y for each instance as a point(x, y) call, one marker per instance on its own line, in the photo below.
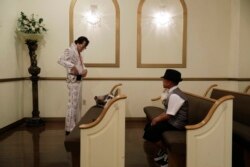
point(74, 71)
point(85, 72)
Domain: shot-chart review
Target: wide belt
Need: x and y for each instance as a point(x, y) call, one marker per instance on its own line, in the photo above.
point(78, 77)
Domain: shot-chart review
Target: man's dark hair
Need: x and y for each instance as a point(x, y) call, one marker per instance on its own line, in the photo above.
point(82, 39)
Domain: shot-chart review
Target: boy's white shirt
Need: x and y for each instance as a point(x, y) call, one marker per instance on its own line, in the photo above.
point(175, 102)
point(164, 94)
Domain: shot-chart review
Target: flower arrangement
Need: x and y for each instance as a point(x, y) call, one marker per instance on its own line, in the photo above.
point(30, 25)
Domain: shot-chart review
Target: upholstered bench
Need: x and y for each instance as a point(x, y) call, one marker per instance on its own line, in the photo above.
point(103, 141)
point(72, 141)
point(241, 124)
point(207, 125)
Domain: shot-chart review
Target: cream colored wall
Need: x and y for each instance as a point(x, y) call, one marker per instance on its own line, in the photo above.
point(212, 51)
point(244, 37)
point(208, 39)
point(53, 94)
point(11, 93)
point(11, 102)
point(11, 61)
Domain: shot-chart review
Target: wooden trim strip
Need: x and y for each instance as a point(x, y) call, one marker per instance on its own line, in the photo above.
point(184, 41)
point(13, 79)
point(103, 113)
point(123, 79)
point(53, 78)
point(210, 113)
point(71, 21)
point(146, 79)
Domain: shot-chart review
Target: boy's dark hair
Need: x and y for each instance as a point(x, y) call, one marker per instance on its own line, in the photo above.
point(81, 39)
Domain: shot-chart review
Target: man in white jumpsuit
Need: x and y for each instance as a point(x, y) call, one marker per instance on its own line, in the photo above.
point(76, 71)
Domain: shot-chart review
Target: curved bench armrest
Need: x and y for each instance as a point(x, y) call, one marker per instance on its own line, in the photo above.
point(209, 89)
point(247, 89)
point(114, 87)
point(210, 113)
point(103, 113)
point(156, 98)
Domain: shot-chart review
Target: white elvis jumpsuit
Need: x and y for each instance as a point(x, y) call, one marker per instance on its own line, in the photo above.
point(70, 59)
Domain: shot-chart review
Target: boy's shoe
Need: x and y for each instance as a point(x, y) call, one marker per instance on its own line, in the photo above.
point(161, 155)
point(164, 162)
point(164, 165)
point(67, 133)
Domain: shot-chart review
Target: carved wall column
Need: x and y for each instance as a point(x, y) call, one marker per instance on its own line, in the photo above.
point(34, 70)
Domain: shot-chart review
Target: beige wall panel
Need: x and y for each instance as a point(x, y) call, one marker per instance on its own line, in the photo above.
point(27, 98)
point(208, 37)
point(203, 49)
point(11, 102)
point(11, 61)
point(161, 43)
point(207, 42)
point(53, 98)
point(102, 36)
point(244, 49)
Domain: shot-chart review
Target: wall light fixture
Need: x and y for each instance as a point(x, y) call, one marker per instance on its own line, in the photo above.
point(93, 17)
point(162, 18)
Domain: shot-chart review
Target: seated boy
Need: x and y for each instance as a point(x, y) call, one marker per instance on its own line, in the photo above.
point(175, 117)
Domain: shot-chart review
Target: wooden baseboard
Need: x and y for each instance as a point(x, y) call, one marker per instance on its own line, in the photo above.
point(54, 119)
point(136, 119)
point(125, 79)
point(11, 126)
point(61, 119)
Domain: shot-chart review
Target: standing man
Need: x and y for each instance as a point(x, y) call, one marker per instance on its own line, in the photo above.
point(174, 117)
point(76, 71)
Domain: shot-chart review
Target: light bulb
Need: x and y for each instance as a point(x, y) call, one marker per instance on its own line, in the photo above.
point(92, 16)
point(162, 19)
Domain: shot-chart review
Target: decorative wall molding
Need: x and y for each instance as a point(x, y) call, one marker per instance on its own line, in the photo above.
point(124, 79)
point(139, 41)
point(145, 79)
point(117, 34)
point(13, 79)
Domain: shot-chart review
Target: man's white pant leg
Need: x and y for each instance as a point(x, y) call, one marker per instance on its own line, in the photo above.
point(74, 103)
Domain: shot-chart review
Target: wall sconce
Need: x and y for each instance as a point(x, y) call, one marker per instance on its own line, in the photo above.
point(92, 16)
point(162, 18)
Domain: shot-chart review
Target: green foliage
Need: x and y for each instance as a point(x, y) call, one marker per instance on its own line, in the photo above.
point(30, 25)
